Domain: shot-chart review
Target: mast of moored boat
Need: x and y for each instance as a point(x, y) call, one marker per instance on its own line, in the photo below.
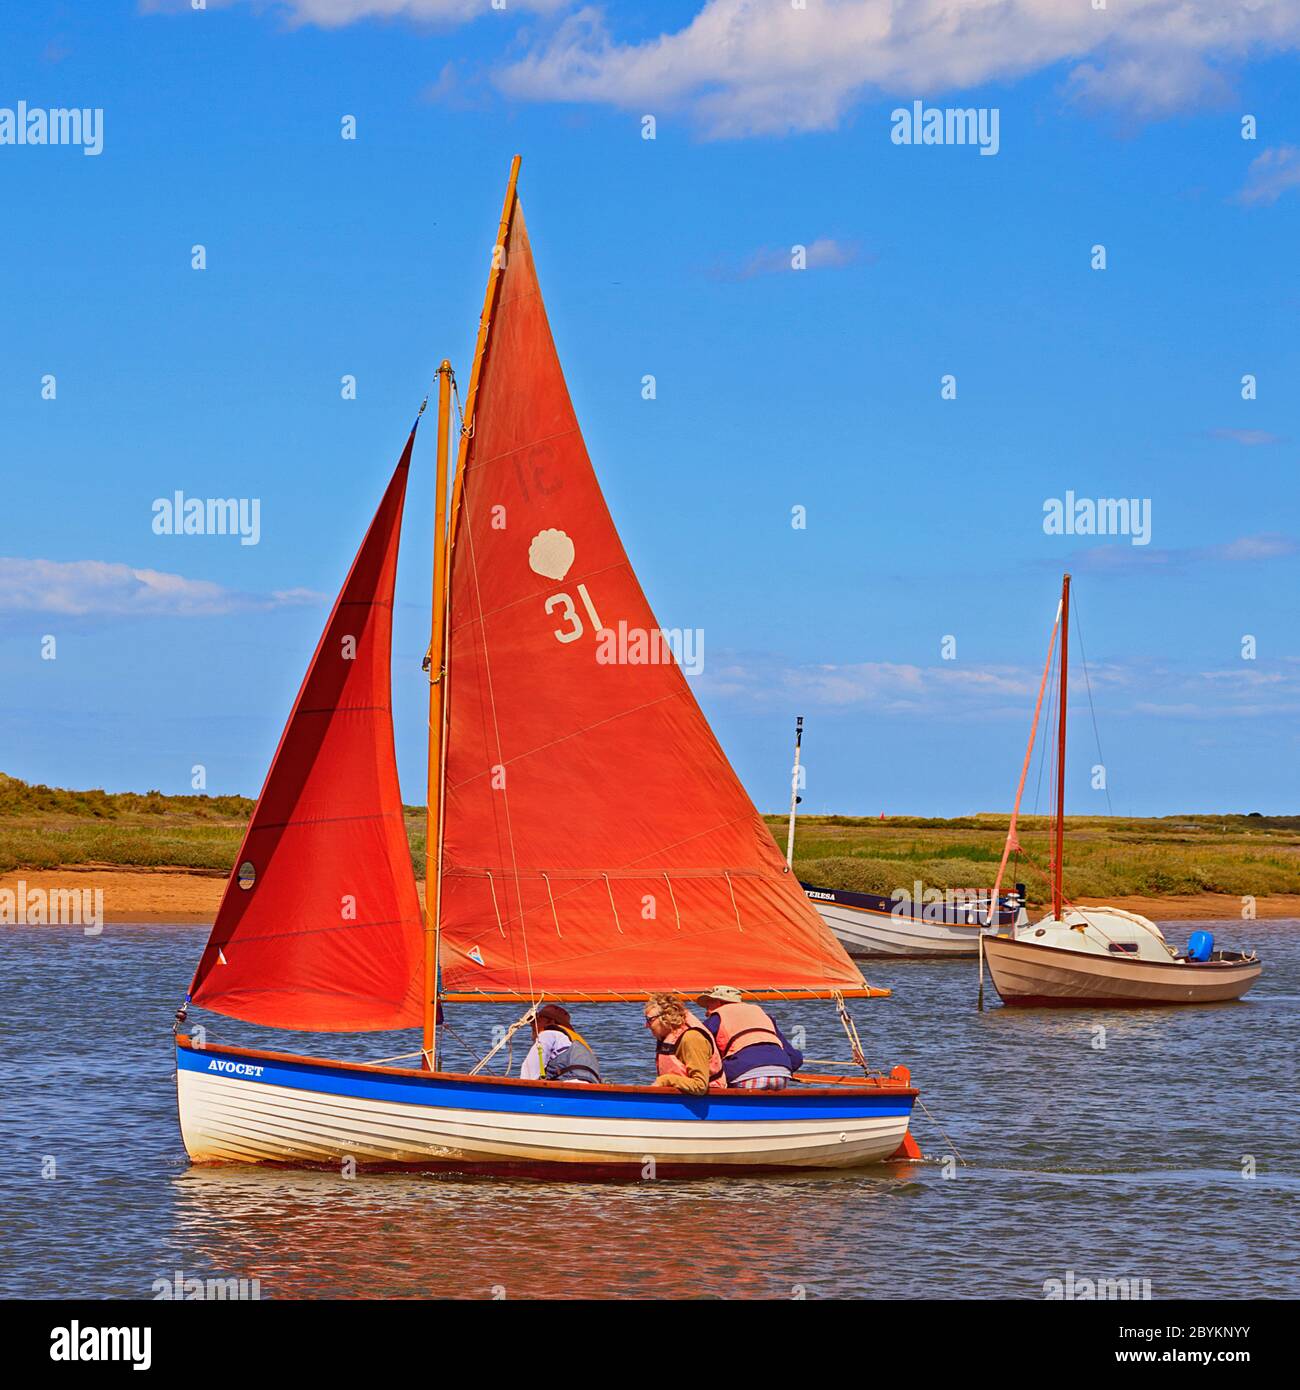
point(794, 791)
point(437, 669)
point(1058, 866)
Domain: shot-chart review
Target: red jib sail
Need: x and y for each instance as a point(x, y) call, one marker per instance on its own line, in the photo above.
point(320, 926)
point(595, 836)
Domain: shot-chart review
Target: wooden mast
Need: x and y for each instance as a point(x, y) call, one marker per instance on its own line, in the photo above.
point(437, 669)
point(1058, 864)
point(444, 544)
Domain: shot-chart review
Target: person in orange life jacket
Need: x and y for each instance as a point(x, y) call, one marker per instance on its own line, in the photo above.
point(686, 1057)
point(756, 1055)
point(559, 1052)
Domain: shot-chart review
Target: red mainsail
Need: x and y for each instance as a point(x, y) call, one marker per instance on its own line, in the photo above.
point(595, 837)
point(320, 927)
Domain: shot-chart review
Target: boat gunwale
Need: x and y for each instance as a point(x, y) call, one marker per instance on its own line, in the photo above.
point(908, 917)
point(827, 1085)
point(893, 914)
point(992, 942)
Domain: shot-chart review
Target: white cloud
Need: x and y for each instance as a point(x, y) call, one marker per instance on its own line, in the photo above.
point(1252, 439)
point(335, 14)
point(1109, 558)
point(459, 89)
point(101, 588)
point(1247, 548)
point(824, 253)
point(1270, 175)
point(950, 692)
point(883, 686)
point(745, 67)
point(1139, 86)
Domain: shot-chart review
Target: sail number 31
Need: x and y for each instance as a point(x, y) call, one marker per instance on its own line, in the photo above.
point(570, 616)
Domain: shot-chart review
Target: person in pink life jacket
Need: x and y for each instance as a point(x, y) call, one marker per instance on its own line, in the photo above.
point(686, 1057)
point(756, 1055)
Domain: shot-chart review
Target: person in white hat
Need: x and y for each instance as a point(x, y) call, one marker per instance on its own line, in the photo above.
point(756, 1056)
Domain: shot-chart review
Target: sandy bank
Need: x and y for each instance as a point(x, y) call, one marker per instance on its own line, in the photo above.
point(193, 896)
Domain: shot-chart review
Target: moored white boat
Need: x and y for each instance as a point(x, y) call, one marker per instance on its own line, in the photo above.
point(868, 925)
point(1106, 956)
point(1098, 955)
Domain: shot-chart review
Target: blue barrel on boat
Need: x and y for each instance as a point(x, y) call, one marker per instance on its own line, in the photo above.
point(1200, 945)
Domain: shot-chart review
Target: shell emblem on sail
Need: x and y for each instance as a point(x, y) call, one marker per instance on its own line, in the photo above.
point(550, 554)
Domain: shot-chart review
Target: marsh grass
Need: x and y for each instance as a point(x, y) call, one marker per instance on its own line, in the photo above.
point(1104, 856)
point(48, 827)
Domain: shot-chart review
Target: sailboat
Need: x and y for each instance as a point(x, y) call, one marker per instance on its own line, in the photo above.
point(587, 840)
point(1098, 955)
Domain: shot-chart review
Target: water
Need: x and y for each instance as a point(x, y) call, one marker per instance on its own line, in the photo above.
point(1117, 1162)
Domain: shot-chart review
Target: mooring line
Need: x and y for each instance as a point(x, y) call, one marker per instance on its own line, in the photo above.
point(942, 1134)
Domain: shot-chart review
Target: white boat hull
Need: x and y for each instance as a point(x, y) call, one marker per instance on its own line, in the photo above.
point(864, 933)
point(1027, 973)
point(387, 1117)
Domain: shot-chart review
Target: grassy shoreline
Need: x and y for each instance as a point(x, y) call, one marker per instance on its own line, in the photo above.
point(1105, 856)
point(43, 828)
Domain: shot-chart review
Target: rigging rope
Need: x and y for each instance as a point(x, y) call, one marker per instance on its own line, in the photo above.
point(496, 734)
point(1042, 757)
point(1047, 724)
point(851, 1029)
point(1096, 733)
point(527, 1017)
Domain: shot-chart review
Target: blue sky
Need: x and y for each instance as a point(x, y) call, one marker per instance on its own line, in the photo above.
point(776, 388)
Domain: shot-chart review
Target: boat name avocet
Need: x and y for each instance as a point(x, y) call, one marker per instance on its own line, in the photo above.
point(235, 1068)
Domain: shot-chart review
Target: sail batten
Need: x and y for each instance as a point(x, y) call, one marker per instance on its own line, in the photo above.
point(320, 925)
point(596, 841)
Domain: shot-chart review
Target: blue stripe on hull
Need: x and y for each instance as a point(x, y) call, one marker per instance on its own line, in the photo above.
point(571, 1101)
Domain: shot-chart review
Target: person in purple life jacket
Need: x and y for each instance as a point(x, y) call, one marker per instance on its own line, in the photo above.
point(559, 1052)
point(756, 1055)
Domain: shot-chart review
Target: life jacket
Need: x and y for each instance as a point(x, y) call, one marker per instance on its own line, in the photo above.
point(577, 1062)
point(669, 1064)
point(743, 1025)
